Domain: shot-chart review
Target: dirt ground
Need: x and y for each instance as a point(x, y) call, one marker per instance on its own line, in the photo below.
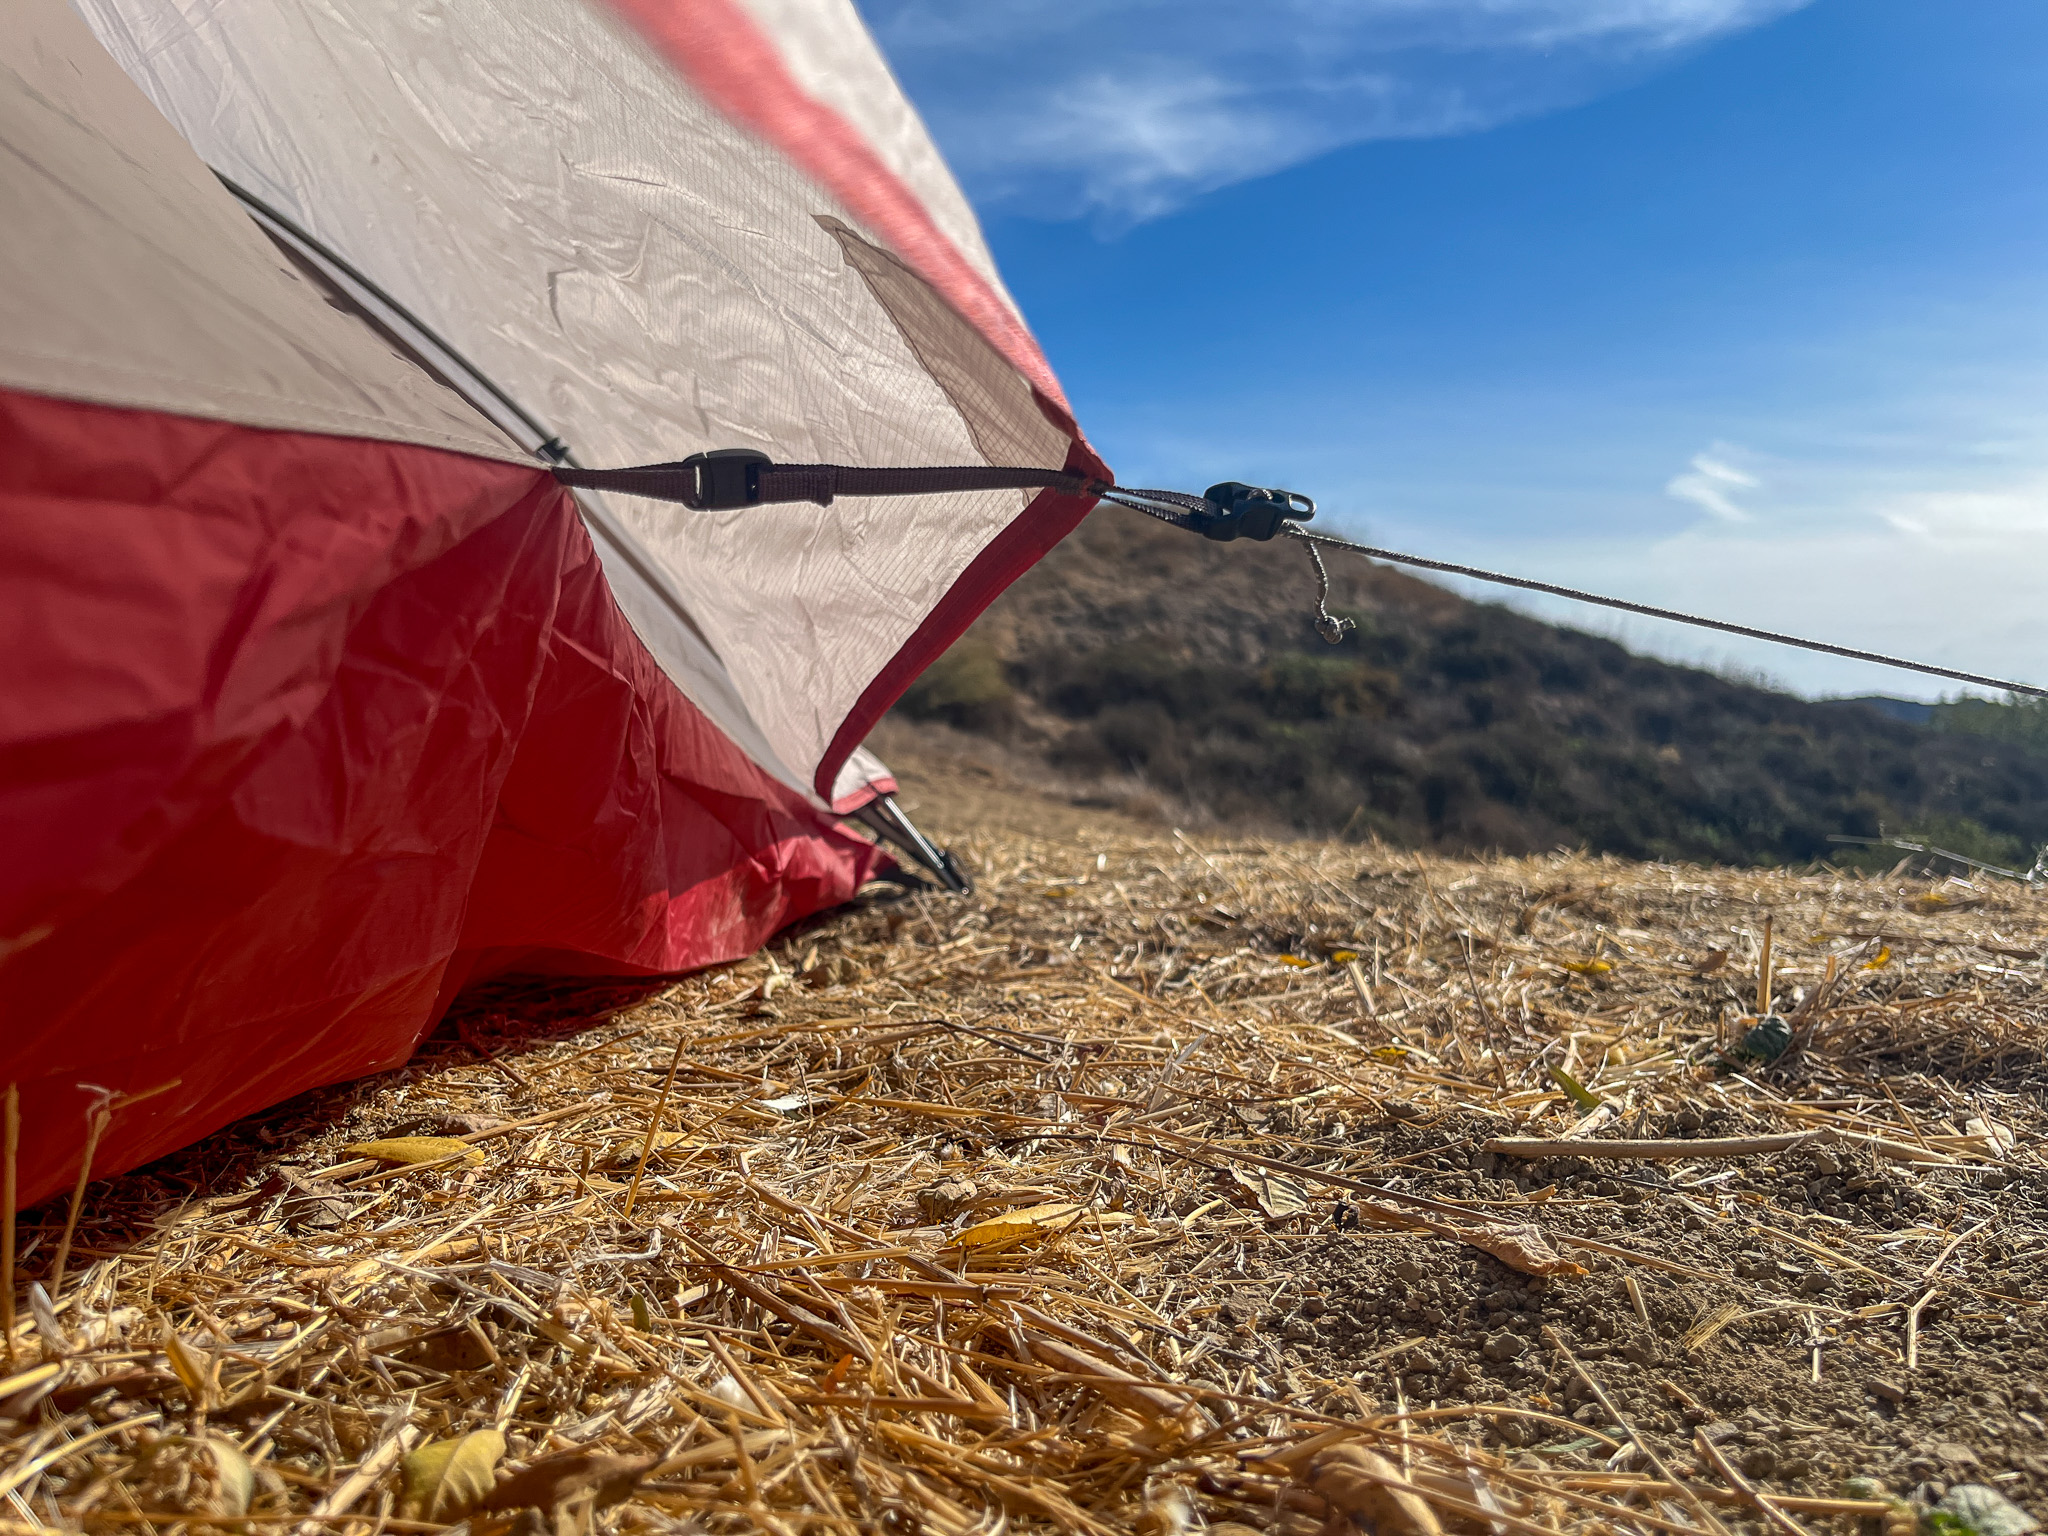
point(1084, 1202)
point(1769, 1240)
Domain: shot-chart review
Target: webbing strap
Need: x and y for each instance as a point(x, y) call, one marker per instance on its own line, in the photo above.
point(822, 482)
point(704, 482)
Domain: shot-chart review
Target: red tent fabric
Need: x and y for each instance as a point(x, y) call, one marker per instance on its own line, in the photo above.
point(322, 696)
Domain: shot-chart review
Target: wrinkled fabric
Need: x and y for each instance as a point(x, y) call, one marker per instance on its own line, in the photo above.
point(322, 698)
point(132, 278)
point(615, 213)
point(302, 731)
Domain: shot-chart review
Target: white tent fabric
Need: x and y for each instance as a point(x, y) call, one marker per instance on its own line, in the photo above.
point(548, 193)
point(135, 280)
point(831, 56)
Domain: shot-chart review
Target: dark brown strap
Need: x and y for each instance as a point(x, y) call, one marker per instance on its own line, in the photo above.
point(822, 482)
point(687, 481)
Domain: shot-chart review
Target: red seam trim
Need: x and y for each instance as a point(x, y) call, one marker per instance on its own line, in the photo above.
point(1021, 545)
point(725, 56)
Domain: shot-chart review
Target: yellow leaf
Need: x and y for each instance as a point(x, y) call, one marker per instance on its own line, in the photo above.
point(1033, 1224)
point(446, 1480)
point(1343, 956)
point(190, 1368)
point(1297, 960)
point(1880, 960)
point(1589, 967)
point(1580, 1094)
point(415, 1149)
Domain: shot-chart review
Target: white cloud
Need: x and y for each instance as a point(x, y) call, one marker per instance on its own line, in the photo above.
point(1711, 485)
point(1125, 109)
point(2019, 510)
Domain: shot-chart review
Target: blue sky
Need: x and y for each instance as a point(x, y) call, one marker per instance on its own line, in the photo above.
point(1732, 305)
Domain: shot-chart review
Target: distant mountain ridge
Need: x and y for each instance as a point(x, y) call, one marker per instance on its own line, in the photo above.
point(1912, 711)
point(1147, 666)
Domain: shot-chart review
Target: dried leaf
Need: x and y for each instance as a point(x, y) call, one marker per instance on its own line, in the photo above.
point(1278, 1197)
point(446, 1349)
point(1998, 1138)
point(191, 1368)
point(945, 1199)
point(1371, 1493)
point(447, 1479)
point(314, 1203)
point(234, 1478)
point(556, 1479)
point(625, 1153)
point(1032, 1224)
point(415, 1149)
point(1520, 1246)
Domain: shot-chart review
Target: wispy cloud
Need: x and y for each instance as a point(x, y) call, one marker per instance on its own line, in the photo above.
point(1712, 483)
point(1921, 536)
point(1124, 109)
point(1972, 516)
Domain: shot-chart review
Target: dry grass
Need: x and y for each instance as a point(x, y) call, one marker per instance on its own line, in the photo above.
point(940, 1200)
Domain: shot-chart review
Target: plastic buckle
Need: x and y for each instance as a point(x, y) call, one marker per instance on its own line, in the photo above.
point(1250, 511)
point(725, 478)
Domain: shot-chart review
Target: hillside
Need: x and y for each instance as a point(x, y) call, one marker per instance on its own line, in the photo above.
point(1141, 668)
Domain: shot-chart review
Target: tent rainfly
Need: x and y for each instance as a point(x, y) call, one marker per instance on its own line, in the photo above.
point(323, 697)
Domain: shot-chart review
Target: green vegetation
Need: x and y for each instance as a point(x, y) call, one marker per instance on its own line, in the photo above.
point(966, 688)
point(2018, 720)
point(1131, 654)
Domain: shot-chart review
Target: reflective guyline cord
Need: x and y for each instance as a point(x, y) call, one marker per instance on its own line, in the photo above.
point(1394, 557)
